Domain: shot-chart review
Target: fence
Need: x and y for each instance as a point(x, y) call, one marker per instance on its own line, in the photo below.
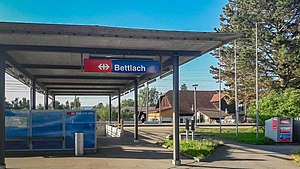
point(48, 130)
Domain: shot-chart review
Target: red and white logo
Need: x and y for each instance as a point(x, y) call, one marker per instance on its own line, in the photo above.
point(96, 65)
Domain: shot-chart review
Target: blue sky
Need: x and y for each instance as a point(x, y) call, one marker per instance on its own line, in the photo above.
point(192, 15)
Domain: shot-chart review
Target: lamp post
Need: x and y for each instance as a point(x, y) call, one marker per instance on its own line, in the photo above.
point(195, 104)
point(235, 89)
point(256, 80)
point(220, 103)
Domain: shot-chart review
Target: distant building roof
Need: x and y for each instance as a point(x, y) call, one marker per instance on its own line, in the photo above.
point(186, 101)
point(212, 113)
point(215, 97)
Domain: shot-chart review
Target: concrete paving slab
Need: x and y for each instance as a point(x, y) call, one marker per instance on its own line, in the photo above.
point(123, 153)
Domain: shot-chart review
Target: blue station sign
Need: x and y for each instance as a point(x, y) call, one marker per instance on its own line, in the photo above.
point(121, 66)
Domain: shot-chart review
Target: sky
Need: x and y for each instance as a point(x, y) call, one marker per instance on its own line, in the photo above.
point(192, 15)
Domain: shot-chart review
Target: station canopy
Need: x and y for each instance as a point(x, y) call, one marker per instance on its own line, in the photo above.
point(52, 54)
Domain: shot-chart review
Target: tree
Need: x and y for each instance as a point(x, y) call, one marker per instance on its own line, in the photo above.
point(278, 46)
point(7, 105)
point(76, 104)
point(98, 106)
point(183, 87)
point(103, 113)
point(58, 105)
point(278, 104)
point(40, 107)
point(153, 95)
point(127, 103)
point(67, 106)
point(20, 104)
point(127, 108)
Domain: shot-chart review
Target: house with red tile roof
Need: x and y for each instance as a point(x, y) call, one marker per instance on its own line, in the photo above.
point(207, 103)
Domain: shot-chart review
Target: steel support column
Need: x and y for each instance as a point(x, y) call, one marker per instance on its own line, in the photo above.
point(46, 96)
point(176, 156)
point(53, 102)
point(119, 107)
point(33, 95)
point(136, 113)
point(147, 100)
point(2, 111)
point(109, 102)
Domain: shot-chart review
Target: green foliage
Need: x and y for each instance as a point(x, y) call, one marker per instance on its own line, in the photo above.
point(58, 105)
point(248, 138)
point(17, 104)
point(7, 105)
point(98, 106)
point(278, 104)
point(153, 95)
point(66, 106)
point(103, 112)
point(183, 87)
point(296, 156)
point(127, 103)
point(40, 107)
point(127, 115)
point(246, 135)
point(227, 130)
point(76, 104)
point(278, 46)
point(199, 149)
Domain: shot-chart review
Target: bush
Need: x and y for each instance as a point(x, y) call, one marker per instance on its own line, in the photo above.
point(296, 156)
point(199, 149)
point(278, 104)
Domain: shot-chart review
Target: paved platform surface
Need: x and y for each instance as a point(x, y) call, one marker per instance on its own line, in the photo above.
point(122, 153)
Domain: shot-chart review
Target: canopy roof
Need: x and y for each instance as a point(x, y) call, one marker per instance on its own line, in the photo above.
point(52, 54)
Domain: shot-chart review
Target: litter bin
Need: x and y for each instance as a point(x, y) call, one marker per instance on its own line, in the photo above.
point(79, 144)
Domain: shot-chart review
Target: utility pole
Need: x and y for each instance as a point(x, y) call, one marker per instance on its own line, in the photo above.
point(235, 89)
point(159, 102)
point(220, 104)
point(195, 103)
point(256, 80)
point(147, 100)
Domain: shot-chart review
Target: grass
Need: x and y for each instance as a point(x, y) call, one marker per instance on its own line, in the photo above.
point(246, 135)
point(296, 156)
point(198, 149)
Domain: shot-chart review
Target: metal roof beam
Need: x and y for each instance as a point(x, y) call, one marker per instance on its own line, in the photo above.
point(83, 94)
point(96, 56)
point(83, 84)
point(20, 68)
point(38, 66)
point(81, 77)
point(80, 88)
point(107, 51)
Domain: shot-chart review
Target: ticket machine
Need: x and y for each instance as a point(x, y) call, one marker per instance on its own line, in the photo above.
point(279, 129)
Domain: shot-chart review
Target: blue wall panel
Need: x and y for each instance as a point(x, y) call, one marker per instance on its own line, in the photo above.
point(48, 129)
point(17, 129)
point(82, 121)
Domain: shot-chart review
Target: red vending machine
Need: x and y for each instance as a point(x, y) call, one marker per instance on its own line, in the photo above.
point(279, 129)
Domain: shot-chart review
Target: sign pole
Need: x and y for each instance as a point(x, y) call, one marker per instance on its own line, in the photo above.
point(136, 136)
